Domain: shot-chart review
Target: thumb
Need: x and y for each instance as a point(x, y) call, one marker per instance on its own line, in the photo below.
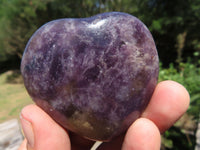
point(42, 132)
point(143, 134)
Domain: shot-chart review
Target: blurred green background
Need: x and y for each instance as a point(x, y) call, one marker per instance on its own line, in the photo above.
point(174, 24)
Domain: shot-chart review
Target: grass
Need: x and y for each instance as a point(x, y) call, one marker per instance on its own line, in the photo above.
point(13, 97)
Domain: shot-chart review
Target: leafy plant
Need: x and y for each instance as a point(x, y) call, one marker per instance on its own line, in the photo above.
point(182, 134)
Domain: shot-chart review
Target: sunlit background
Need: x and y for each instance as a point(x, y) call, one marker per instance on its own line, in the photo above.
point(174, 24)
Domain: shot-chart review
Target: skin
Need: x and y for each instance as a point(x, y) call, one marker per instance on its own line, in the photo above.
point(169, 102)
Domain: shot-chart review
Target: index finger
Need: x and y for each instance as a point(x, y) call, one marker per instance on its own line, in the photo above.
point(169, 102)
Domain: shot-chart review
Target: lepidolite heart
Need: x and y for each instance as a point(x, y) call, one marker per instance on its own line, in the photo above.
point(94, 76)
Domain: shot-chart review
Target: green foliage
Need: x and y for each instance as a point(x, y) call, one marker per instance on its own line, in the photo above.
point(167, 20)
point(17, 23)
point(187, 74)
point(175, 139)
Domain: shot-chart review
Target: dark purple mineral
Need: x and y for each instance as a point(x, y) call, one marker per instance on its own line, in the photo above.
point(95, 75)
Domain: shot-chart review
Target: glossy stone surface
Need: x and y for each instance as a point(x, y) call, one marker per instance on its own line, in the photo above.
point(93, 75)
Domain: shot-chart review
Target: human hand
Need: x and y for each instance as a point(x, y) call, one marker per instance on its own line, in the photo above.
point(169, 102)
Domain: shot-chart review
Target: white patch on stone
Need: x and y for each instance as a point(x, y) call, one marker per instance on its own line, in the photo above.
point(57, 103)
point(87, 125)
point(121, 93)
point(97, 24)
point(38, 43)
point(47, 28)
point(69, 26)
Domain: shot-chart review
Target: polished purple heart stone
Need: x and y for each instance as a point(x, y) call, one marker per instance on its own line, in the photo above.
point(94, 76)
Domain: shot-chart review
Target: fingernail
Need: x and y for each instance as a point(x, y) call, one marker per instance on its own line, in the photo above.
point(28, 131)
